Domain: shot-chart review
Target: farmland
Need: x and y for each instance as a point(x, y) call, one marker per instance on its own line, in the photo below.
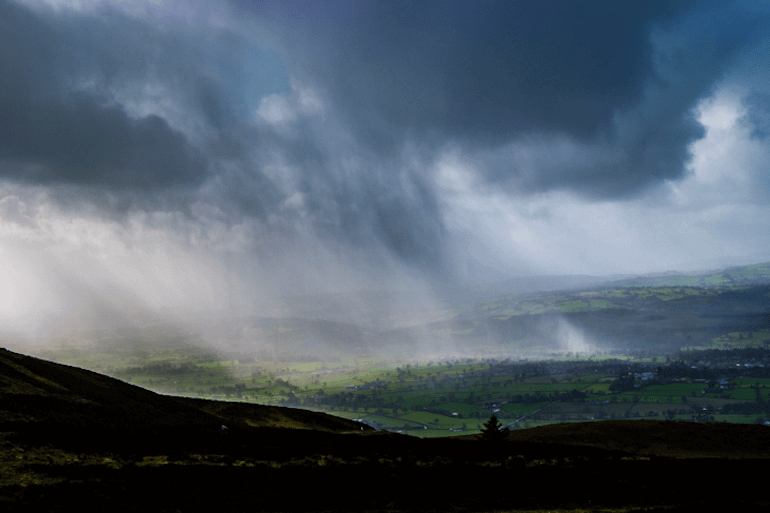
point(665, 347)
point(439, 398)
point(290, 459)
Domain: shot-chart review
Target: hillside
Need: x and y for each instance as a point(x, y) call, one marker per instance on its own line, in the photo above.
point(44, 396)
point(144, 451)
point(651, 438)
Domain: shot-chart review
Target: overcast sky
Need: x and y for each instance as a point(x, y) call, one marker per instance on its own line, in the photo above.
point(202, 154)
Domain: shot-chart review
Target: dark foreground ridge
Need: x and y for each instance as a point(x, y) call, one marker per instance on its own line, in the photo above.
point(71, 439)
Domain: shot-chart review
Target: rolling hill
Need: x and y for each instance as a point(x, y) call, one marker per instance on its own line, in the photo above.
point(71, 439)
point(42, 396)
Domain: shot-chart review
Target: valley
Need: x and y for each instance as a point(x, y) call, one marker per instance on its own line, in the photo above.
point(603, 393)
point(666, 351)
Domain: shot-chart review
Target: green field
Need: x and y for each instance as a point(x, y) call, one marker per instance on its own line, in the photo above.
point(518, 409)
point(420, 399)
point(398, 392)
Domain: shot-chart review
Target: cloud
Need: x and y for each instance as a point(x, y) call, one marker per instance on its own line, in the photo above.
point(482, 71)
point(594, 97)
point(79, 141)
point(55, 133)
point(714, 216)
point(279, 110)
point(647, 142)
point(729, 164)
point(758, 115)
point(143, 108)
point(203, 154)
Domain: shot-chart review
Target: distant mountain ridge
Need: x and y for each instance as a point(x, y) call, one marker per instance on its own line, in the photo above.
point(755, 274)
point(750, 274)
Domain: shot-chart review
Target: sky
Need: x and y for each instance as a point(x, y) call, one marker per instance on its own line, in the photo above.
point(203, 155)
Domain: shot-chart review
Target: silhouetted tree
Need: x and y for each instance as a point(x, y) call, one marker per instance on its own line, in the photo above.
point(492, 431)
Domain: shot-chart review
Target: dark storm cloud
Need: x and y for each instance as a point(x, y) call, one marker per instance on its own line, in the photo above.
point(65, 78)
point(50, 132)
point(485, 70)
point(757, 116)
point(485, 74)
point(79, 141)
point(332, 136)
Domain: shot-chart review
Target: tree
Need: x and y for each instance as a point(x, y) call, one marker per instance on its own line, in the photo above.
point(492, 431)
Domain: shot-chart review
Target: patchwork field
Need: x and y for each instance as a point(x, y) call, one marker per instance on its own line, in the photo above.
point(437, 398)
point(674, 347)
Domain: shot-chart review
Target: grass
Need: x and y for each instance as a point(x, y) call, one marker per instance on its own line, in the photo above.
point(743, 394)
point(573, 306)
point(419, 388)
point(675, 389)
point(737, 340)
point(750, 382)
point(518, 409)
point(462, 409)
point(444, 421)
point(402, 379)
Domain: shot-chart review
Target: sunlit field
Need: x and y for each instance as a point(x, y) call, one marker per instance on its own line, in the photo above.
point(442, 398)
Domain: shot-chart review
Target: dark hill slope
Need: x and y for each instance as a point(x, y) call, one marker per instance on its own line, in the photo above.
point(39, 395)
point(654, 438)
